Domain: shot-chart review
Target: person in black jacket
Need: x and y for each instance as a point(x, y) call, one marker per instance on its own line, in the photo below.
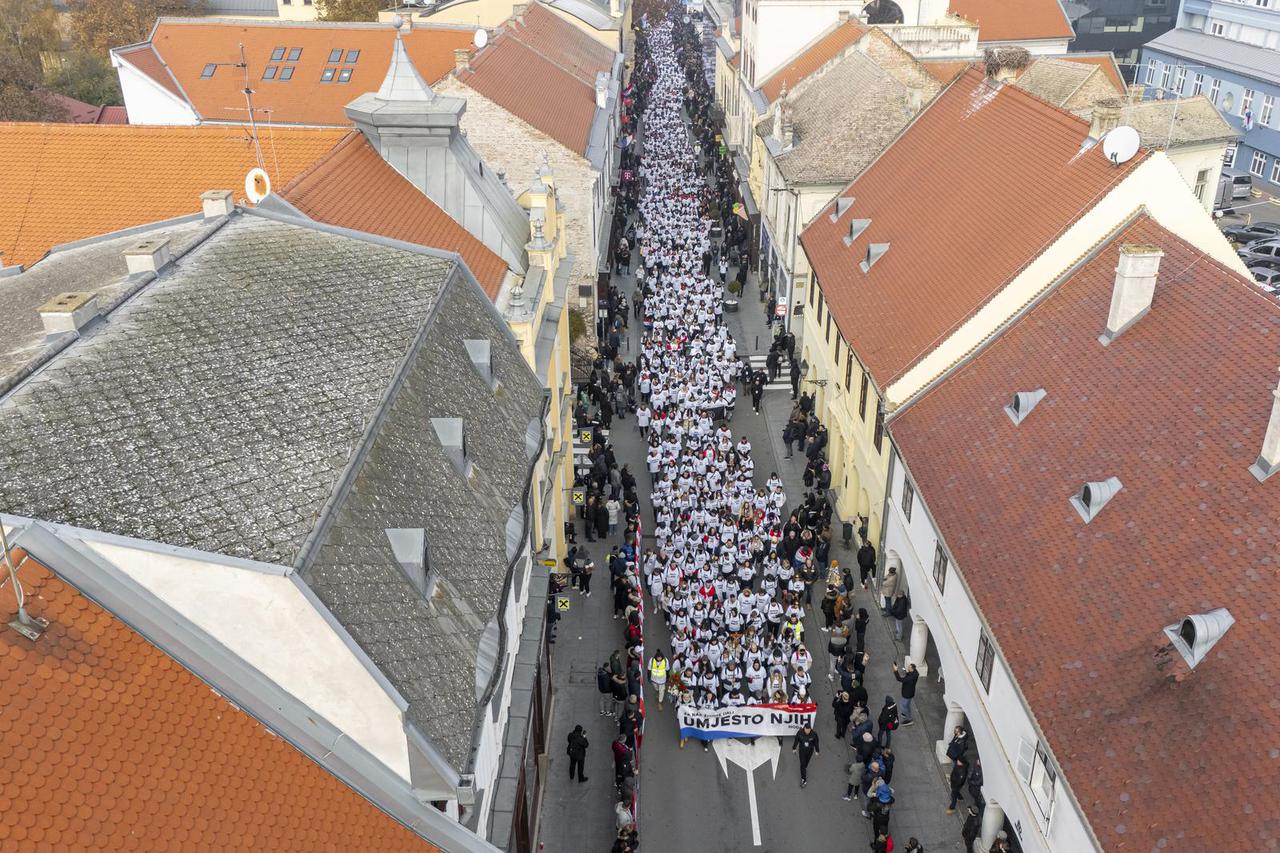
point(866, 562)
point(806, 743)
point(959, 775)
point(972, 827)
point(887, 721)
point(908, 680)
point(577, 750)
point(842, 708)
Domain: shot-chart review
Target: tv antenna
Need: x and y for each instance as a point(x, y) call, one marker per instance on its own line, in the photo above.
point(1120, 144)
point(24, 623)
point(243, 64)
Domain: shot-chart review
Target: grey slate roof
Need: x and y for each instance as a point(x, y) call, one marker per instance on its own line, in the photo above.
point(248, 400)
point(96, 266)
point(1055, 80)
point(839, 135)
point(1250, 60)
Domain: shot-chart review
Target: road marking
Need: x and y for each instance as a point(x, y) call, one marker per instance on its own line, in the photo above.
point(760, 362)
point(748, 756)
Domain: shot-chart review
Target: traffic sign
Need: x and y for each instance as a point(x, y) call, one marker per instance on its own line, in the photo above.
point(585, 436)
point(562, 603)
point(781, 310)
point(579, 497)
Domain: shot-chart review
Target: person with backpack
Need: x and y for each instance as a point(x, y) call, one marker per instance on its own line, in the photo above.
point(577, 752)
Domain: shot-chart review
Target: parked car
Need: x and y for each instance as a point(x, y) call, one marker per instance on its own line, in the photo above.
point(1241, 185)
point(1266, 277)
point(1261, 253)
point(1249, 233)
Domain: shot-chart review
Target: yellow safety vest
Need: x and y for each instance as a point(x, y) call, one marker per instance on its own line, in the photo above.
point(658, 670)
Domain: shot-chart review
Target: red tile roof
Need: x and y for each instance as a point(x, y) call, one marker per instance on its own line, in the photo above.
point(946, 70)
point(983, 181)
point(78, 112)
point(180, 48)
point(562, 43)
point(353, 187)
point(107, 743)
point(1002, 20)
point(1176, 407)
point(534, 89)
point(65, 182)
point(113, 115)
point(818, 53)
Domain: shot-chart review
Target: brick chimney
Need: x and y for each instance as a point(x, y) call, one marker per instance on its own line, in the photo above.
point(1003, 64)
point(68, 312)
point(215, 203)
point(1269, 459)
point(461, 59)
point(148, 256)
point(1134, 289)
point(1105, 117)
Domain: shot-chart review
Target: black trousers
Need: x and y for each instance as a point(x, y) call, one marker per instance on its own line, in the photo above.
point(576, 764)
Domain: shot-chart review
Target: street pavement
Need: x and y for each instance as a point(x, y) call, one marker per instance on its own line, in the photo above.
point(687, 802)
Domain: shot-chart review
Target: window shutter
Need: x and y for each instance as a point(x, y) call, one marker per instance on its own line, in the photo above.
point(1026, 760)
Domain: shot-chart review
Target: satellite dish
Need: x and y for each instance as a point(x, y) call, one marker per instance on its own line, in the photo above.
point(481, 38)
point(257, 185)
point(1120, 144)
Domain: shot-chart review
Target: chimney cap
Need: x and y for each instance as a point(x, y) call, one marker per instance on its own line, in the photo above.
point(150, 255)
point(68, 312)
point(215, 203)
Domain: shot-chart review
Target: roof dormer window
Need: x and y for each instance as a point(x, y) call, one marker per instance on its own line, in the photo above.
point(1022, 404)
point(856, 227)
point(1094, 496)
point(875, 252)
point(452, 433)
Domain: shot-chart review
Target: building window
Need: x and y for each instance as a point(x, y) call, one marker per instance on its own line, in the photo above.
point(1151, 72)
point(940, 568)
point(335, 55)
point(1037, 771)
point(879, 437)
point(277, 54)
point(862, 398)
point(848, 364)
point(344, 75)
point(208, 71)
point(838, 341)
point(828, 331)
point(286, 73)
point(1180, 81)
point(1268, 107)
point(326, 76)
point(986, 660)
point(295, 53)
point(269, 73)
point(1202, 181)
point(1164, 76)
point(1197, 84)
point(1229, 156)
point(821, 305)
point(1246, 101)
point(1214, 88)
point(908, 497)
point(1275, 171)
point(1217, 28)
point(1258, 164)
point(813, 291)
point(352, 56)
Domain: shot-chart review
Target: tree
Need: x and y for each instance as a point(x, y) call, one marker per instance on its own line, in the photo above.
point(87, 77)
point(348, 10)
point(22, 96)
point(100, 25)
point(29, 28)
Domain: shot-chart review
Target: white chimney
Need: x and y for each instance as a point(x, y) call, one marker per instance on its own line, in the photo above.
point(148, 256)
point(915, 95)
point(602, 89)
point(1134, 289)
point(217, 203)
point(68, 312)
point(1269, 460)
point(461, 59)
point(1136, 91)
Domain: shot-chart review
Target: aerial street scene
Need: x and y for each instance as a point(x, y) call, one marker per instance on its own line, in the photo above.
point(594, 426)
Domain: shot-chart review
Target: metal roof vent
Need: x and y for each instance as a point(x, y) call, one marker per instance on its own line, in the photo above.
point(452, 433)
point(842, 207)
point(1269, 459)
point(875, 252)
point(481, 354)
point(856, 227)
point(1094, 496)
point(1195, 635)
point(413, 553)
point(1022, 404)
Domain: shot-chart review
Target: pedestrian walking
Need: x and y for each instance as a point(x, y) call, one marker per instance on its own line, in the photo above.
point(836, 648)
point(584, 578)
point(806, 744)
point(577, 751)
point(913, 846)
point(604, 683)
point(866, 562)
point(972, 827)
point(658, 675)
point(887, 721)
point(959, 775)
point(975, 783)
point(908, 680)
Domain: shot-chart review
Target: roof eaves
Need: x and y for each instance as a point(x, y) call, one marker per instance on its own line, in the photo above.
point(243, 685)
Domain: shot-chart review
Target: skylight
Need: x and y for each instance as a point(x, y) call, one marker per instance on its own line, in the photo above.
point(326, 76)
point(269, 73)
point(277, 54)
point(344, 75)
point(352, 56)
point(286, 73)
point(335, 55)
point(295, 53)
point(208, 70)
